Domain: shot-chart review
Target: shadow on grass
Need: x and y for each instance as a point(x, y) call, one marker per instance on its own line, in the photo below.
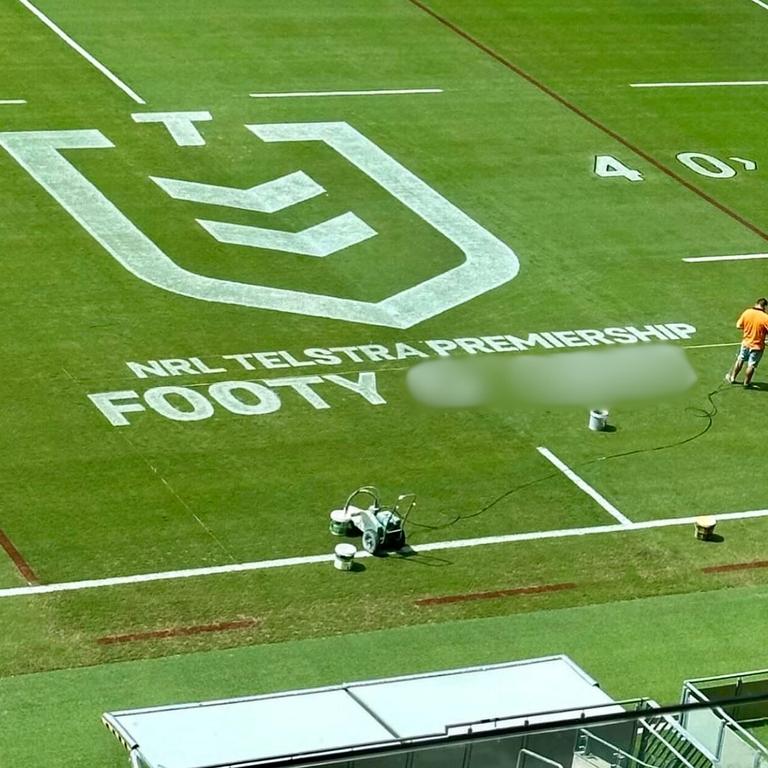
point(407, 554)
point(756, 386)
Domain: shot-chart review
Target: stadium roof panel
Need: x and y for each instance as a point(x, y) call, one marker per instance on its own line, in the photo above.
point(377, 712)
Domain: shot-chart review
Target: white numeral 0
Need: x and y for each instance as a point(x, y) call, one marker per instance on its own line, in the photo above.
point(692, 160)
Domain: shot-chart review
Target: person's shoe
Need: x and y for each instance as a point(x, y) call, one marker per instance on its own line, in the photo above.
point(750, 386)
point(729, 378)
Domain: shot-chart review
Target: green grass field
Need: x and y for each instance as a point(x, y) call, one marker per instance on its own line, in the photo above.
point(242, 461)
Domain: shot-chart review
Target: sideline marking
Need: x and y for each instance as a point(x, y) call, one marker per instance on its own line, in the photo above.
point(586, 487)
point(761, 4)
point(197, 629)
point(72, 586)
point(700, 85)
point(12, 101)
point(300, 94)
point(735, 257)
point(79, 48)
point(22, 566)
point(536, 83)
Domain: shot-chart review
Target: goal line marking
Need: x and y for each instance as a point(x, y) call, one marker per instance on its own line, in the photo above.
point(8, 102)
point(700, 84)
point(383, 92)
point(584, 486)
point(79, 48)
point(435, 546)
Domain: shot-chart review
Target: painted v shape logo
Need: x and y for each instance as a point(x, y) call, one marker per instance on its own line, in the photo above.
point(488, 263)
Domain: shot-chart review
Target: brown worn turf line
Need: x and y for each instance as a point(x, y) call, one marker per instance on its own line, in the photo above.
point(199, 629)
point(539, 589)
point(591, 120)
point(735, 567)
point(22, 566)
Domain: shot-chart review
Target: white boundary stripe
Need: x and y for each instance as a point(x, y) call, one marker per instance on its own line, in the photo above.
point(588, 489)
point(13, 101)
point(735, 257)
point(299, 94)
point(79, 48)
point(701, 85)
point(761, 4)
point(710, 346)
point(435, 546)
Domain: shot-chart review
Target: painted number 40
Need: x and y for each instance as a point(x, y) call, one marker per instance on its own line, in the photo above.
point(607, 166)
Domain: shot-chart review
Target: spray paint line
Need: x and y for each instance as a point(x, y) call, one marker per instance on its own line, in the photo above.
point(584, 486)
point(735, 567)
point(170, 632)
point(142, 578)
point(22, 566)
point(514, 592)
point(92, 60)
point(732, 257)
point(379, 92)
point(699, 84)
point(712, 346)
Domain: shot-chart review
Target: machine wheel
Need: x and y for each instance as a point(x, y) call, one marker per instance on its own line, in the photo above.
point(398, 540)
point(370, 541)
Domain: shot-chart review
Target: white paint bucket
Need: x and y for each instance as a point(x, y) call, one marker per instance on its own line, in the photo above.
point(340, 524)
point(704, 527)
point(344, 555)
point(598, 420)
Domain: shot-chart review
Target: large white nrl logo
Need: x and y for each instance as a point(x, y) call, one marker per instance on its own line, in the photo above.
point(488, 262)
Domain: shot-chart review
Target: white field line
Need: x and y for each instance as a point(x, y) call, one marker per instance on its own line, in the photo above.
point(435, 546)
point(701, 85)
point(710, 346)
point(761, 4)
point(300, 94)
point(79, 48)
point(735, 257)
point(12, 101)
point(584, 486)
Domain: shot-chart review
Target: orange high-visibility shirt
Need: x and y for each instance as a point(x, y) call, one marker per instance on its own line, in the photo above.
point(754, 325)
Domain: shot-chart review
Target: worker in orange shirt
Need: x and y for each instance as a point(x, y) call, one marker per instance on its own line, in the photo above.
point(753, 323)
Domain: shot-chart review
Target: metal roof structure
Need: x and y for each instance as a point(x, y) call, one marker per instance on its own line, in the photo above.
point(402, 710)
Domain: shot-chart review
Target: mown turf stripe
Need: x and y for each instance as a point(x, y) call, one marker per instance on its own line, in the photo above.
point(591, 120)
point(22, 566)
point(198, 629)
point(735, 567)
point(535, 590)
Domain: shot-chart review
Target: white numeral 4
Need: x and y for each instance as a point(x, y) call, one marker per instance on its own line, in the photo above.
point(608, 166)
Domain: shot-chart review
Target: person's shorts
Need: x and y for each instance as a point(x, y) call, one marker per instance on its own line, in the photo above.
point(750, 356)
